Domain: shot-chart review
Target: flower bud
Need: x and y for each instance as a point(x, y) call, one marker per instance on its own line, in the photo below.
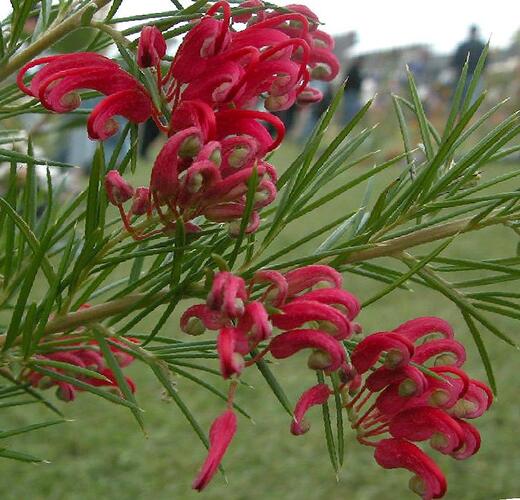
point(309, 96)
point(439, 397)
point(416, 484)
point(318, 360)
point(237, 158)
point(439, 441)
point(151, 48)
point(141, 201)
point(117, 189)
point(393, 358)
point(66, 392)
point(445, 359)
point(216, 157)
point(190, 147)
point(45, 382)
point(407, 388)
point(194, 327)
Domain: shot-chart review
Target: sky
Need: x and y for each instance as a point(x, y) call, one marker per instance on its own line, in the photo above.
point(385, 23)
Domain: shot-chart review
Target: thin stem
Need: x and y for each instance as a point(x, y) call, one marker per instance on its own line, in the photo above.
point(427, 235)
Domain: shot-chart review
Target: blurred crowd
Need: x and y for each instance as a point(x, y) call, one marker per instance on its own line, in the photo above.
point(382, 73)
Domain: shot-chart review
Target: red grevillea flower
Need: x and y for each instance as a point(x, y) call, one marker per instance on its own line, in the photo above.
point(423, 422)
point(399, 399)
point(151, 48)
point(428, 481)
point(288, 343)
point(244, 313)
point(316, 395)
point(228, 294)
point(118, 190)
point(60, 77)
point(231, 361)
point(306, 277)
point(398, 351)
point(84, 355)
point(220, 435)
point(218, 79)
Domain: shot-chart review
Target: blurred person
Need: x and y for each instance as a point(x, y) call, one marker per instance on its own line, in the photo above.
point(352, 97)
point(149, 133)
point(471, 49)
point(305, 118)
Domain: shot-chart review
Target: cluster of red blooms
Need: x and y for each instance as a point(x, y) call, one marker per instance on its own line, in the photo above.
point(398, 399)
point(244, 315)
point(217, 138)
point(387, 389)
point(83, 355)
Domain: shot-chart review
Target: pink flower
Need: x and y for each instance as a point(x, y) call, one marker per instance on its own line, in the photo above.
point(398, 351)
point(288, 343)
point(228, 294)
point(344, 301)
point(244, 18)
point(151, 48)
point(471, 441)
point(316, 395)
point(423, 422)
point(277, 292)
point(297, 313)
point(56, 82)
point(306, 277)
point(196, 319)
point(255, 324)
point(231, 361)
point(428, 481)
point(118, 190)
point(141, 203)
point(220, 435)
point(84, 355)
point(417, 328)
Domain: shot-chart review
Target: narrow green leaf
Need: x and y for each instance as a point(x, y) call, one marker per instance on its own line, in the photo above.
point(421, 116)
point(329, 434)
point(273, 383)
point(14, 330)
point(178, 253)
point(29, 428)
point(30, 238)
point(122, 383)
point(8, 227)
point(68, 367)
point(475, 77)
point(481, 349)
point(456, 101)
point(17, 455)
point(339, 417)
point(162, 375)
point(406, 276)
point(92, 212)
point(252, 186)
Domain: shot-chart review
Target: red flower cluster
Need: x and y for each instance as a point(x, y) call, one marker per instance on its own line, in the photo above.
point(83, 355)
point(212, 91)
point(309, 317)
point(410, 405)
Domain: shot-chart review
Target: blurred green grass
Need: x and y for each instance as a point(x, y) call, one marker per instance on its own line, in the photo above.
point(102, 454)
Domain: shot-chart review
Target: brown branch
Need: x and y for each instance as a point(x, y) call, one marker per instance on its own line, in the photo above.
point(426, 235)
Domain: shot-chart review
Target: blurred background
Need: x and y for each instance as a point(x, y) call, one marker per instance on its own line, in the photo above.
point(103, 455)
